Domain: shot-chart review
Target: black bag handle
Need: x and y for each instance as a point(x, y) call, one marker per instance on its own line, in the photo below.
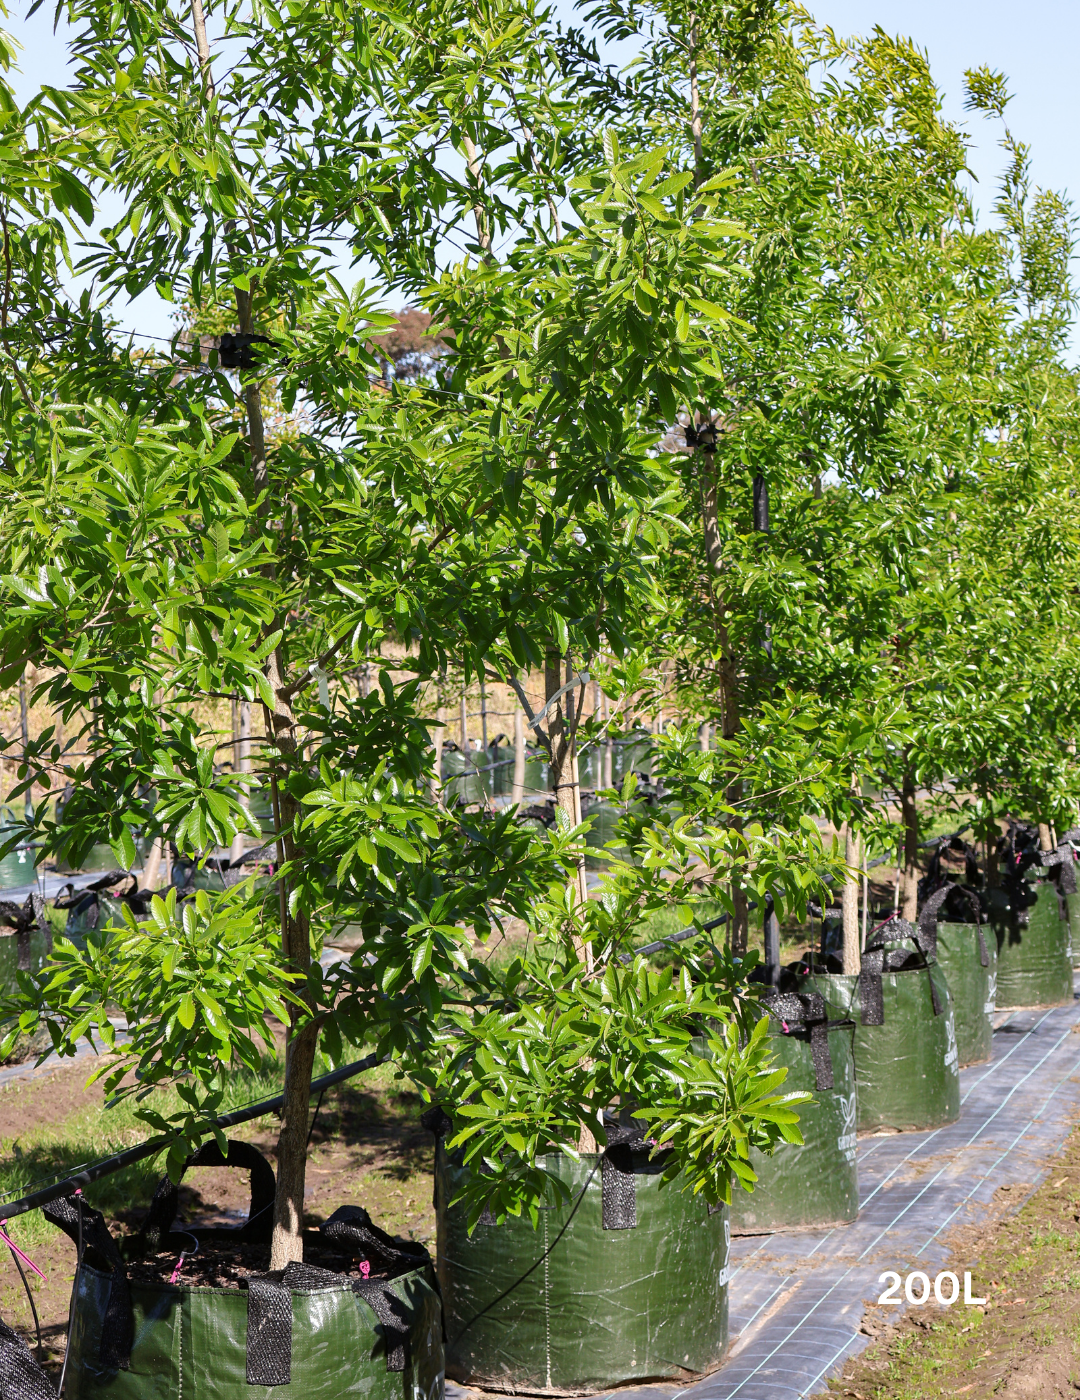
point(931, 913)
point(81, 1223)
point(269, 1317)
point(876, 960)
point(259, 1226)
point(808, 1014)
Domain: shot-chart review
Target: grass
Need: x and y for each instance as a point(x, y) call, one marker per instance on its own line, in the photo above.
point(49, 1153)
point(95, 1132)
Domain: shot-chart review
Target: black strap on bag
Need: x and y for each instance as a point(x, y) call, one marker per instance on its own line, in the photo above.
point(21, 1378)
point(878, 958)
point(931, 913)
point(102, 1252)
point(270, 1318)
point(353, 1227)
point(269, 1332)
point(1063, 874)
point(259, 1226)
point(618, 1187)
point(805, 1015)
point(618, 1207)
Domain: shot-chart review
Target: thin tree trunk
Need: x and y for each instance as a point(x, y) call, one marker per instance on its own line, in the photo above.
point(849, 903)
point(483, 233)
point(909, 816)
point(607, 761)
point(241, 763)
point(517, 791)
point(1045, 841)
point(563, 768)
point(24, 730)
point(437, 744)
point(288, 1244)
point(464, 720)
point(151, 871)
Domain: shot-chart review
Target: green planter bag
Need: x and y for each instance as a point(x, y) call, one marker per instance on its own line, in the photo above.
point(101, 904)
point(309, 1331)
point(25, 938)
point(969, 961)
point(906, 1062)
point(624, 1282)
point(805, 1188)
point(1072, 904)
point(1030, 919)
point(461, 782)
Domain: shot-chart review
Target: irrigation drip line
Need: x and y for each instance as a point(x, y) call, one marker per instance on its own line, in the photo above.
point(153, 1146)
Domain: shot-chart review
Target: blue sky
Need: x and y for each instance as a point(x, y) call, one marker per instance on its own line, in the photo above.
point(1035, 45)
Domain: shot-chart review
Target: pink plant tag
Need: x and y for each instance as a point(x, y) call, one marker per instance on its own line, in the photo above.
point(6, 1239)
point(365, 1268)
point(179, 1265)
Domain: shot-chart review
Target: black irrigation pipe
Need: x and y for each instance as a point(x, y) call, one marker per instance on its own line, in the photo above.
point(151, 1148)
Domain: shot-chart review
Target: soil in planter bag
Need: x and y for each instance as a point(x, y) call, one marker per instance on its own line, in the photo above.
point(624, 1282)
point(967, 955)
point(1030, 917)
point(227, 1328)
point(906, 1062)
point(802, 1188)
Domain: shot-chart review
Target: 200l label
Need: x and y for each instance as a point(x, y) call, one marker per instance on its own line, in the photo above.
point(917, 1289)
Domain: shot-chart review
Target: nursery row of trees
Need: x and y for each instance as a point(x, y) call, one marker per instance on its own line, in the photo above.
point(724, 395)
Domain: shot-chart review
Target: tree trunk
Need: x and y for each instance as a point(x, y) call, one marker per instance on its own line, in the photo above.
point(607, 759)
point(849, 904)
point(909, 883)
point(151, 871)
point(563, 767)
point(288, 1244)
point(740, 921)
point(241, 764)
point(24, 730)
point(436, 767)
point(1045, 841)
point(517, 791)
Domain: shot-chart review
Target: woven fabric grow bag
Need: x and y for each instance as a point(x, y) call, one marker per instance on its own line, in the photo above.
point(25, 939)
point(968, 958)
point(1030, 919)
point(817, 1184)
point(304, 1332)
point(1072, 905)
point(625, 1282)
point(906, 1062)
